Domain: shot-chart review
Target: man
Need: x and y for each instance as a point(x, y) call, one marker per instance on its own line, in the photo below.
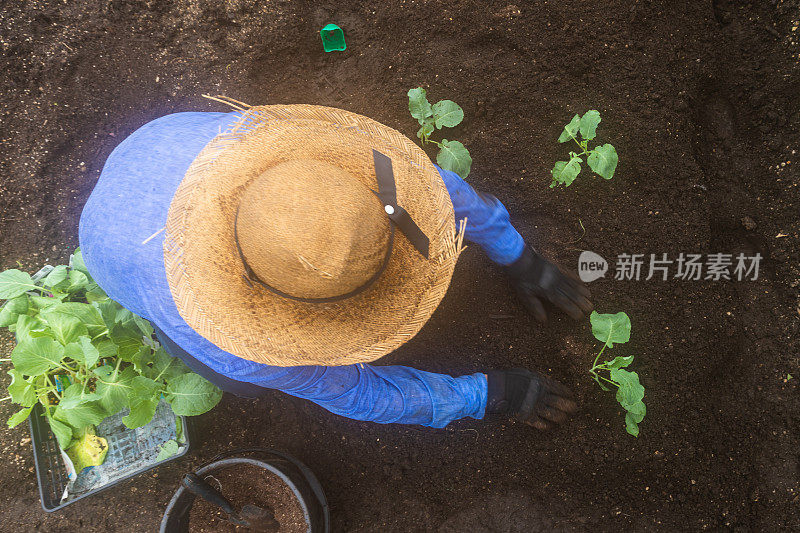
point(283, 247)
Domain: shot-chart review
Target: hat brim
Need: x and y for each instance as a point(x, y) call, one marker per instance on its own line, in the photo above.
point(205, 272)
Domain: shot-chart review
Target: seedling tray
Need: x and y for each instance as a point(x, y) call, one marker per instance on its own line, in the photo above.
point(131, 452)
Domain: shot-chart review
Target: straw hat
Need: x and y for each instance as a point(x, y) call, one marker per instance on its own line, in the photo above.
point(280, 247)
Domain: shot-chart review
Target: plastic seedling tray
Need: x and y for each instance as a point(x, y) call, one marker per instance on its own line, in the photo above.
point(131, 452)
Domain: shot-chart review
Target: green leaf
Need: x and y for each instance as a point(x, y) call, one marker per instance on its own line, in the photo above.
point(603, 161)
point(95, 294)
point(570, 130)
point(127, 339)
point(76, 262)
point(113, 387)
point(447, 113)
point(166, 367)
point(191, 394)
point(610, 328)
point(630, 391)
point(20, 389)
point(87, 314)
point(28, 327)
point(453, 156)
point(565, 172)
point(19, 417)
point(107, 348)
point(637, 411)
point(630, 425)
point(90, 352)
point(179, 436)
point(426, 130)
point(66, 328)
point(62, 431)
point(144, 326)
point(168, 449)
point(77, 281)
point(589, 122)
point(43, 302)
point(418, 104)
point(56, 276)
point(618, 362)
point(12, 309)
point(75, 395)
point(82, 415)
point(143, 400)
point(14, 282)
point(37, 356)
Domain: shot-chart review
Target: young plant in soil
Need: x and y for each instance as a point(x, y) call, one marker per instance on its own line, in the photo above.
point(602, 159)
point(452, 155)
point(610, 329)
point(84, 357)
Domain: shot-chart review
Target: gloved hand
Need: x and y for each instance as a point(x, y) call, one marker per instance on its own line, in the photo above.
point(530, 396)
point(535, 277)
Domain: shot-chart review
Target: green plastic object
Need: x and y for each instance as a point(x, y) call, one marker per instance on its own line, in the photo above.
point(332, 38)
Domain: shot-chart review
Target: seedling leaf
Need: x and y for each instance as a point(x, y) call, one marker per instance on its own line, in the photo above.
point(631, 425)
point(19, 417)
point(603, 161)
point(12, 309)
point(589, 122)
point(56, 276)
point(66, 329)
point(426, 130)
point(20, 389)
point(191, 394)
point(75, 395)
point(143, 400)
point(168, 449)
point(610, 328)
point(86, 313)
point(418, 104)
point(455, 157)
point(570, 130)
point(447, 113)
point(62, 432)
point(82, 415)
point(619, 362)
point(565, 172)
point(36, 356)
point(77, 281)
point(14, 282)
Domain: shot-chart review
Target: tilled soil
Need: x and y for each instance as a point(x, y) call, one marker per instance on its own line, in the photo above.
point(700, 98)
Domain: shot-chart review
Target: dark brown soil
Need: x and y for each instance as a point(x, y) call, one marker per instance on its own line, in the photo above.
point(701, 99)
point(249, 485)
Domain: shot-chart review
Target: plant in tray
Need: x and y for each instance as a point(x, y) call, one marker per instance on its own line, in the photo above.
point(452, 155)
point(611, 329)
point(602, 159)
point(84, 357)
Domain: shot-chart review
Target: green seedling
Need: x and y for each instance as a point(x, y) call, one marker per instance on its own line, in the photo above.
point(610, 329)
point(602, 159)
point(84, 357)
point(452, 155)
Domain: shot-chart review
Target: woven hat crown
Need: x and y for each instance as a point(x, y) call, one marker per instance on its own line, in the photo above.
point(311, 229)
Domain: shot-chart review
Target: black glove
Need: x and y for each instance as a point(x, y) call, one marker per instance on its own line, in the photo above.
point(535, 277)
point(530, 396)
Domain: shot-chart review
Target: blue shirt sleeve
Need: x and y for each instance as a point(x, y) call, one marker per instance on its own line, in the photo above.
point(123, 250)
point(488, 222)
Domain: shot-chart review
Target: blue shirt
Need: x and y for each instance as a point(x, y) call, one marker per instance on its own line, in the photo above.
point(129, 204)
